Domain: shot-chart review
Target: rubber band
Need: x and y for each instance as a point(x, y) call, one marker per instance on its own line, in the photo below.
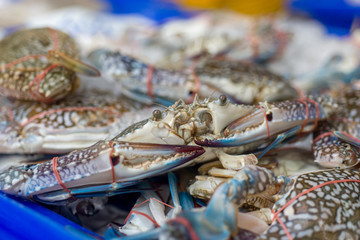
point(111, 162)
point(39, 115)
point(283, 226)
point(137, 205)
point(266, 120)
point(307, 116)
point(38, 80)
point(310, 190)
point(148, 81)
point(58, 178)
point(54, 38)
point(142, 214)
point(41, 76)
point(300, 92)
point(317, 113)
point(325, 134)
point(23, 59)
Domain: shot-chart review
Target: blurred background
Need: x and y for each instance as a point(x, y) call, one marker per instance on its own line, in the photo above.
point(336, 15)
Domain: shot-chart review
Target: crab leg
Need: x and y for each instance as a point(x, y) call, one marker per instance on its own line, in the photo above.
point(100, 169)
point(71, 63)
point(214, 222)
point(348, 138)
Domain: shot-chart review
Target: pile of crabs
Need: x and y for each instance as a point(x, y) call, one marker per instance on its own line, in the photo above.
point(215, 126)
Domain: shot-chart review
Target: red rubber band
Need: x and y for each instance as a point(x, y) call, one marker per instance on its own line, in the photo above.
point(39, 115)
point(38, 80)
point(54, 38)
point(148, 81)
point(142, 214)
point(310, 190)
point(266, 121)
point(187, 224)
point(111, 163)
point(137, 205)
point(317, 113)
point(23, 59)
point(307, 116)
point(300, 93)
point(283, 226)
point(325, 134)
point(58, 178)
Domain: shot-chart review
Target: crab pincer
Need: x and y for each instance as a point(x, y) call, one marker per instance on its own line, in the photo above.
point(267, 120)
point(100, 170)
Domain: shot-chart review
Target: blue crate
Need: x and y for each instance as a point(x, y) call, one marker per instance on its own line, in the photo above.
point(23, 219)
point(336, 15)
point(158, 10)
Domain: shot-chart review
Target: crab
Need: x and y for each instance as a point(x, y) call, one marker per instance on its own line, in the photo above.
point(102, 169)
point(240, 81)
point(76, 122)
point(318, 204)
point(40, 65)
point(227, 130)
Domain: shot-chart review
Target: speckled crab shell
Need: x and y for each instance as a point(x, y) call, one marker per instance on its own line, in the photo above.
point(30, 66)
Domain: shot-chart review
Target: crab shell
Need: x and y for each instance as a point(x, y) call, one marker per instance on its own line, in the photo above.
point(40, 64)
point(77, 122)
point(181, 123)
point(327, 212)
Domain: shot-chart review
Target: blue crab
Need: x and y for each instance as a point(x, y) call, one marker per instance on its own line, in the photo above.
point(314, 205)
point(40, 64)
point(76, 122)
point(239, 81)
point(225, 129)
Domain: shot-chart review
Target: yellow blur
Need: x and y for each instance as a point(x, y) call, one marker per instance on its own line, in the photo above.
point(251, 7)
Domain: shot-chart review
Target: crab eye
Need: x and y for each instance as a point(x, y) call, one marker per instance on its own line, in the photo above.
point(157, 114)
point(222, 99)
point(269, 116)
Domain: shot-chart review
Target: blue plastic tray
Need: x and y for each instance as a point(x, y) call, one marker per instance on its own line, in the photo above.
point(336, 15)
point(23, 219)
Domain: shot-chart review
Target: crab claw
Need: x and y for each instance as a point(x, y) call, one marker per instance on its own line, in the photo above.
point(73, 64)
point(249, 128)
point(134, 160)
point(103, 169)
point(266, 121)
